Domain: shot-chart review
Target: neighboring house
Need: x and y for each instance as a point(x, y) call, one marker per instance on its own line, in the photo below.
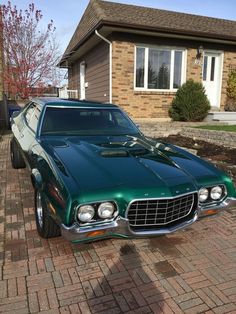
point(138, 57)
point(44, 91)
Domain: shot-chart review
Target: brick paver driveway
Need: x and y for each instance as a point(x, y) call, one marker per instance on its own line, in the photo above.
point(191, 271)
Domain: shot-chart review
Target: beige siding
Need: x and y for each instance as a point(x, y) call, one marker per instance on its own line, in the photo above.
point(96, 73)
point(73, 76)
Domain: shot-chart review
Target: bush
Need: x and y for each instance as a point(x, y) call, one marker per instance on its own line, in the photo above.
point(190, 103)
point(230, 104)
point(231, 92)
point(231, 85)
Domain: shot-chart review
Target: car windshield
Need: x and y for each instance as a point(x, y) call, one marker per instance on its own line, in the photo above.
point(86, 121)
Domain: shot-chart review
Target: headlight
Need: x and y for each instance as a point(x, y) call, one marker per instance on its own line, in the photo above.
point(216, 192)
point(106, 210)
point(203, 194)
point(86, 213)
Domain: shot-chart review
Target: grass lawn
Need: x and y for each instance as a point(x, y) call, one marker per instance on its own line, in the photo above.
point(228, 128)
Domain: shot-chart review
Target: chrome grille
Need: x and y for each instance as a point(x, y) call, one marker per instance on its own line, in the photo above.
point(157, 212)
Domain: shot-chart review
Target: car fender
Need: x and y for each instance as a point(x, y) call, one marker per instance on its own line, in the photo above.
point(36, 179)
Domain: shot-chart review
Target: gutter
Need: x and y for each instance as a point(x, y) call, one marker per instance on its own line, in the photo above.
point(110, 63)
point(170, 33)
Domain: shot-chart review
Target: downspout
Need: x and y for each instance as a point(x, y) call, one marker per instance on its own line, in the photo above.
point(110, 63)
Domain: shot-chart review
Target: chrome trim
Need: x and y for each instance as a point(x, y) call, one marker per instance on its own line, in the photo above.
point(164, 223)
point(117, 228)
point(157, 198)
point(39, 209)
point(120, 226)
point(78, 106)
point(224, 194)
point(92, 222)
point(226, 204)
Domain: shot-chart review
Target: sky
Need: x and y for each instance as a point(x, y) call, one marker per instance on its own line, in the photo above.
point(66, 14)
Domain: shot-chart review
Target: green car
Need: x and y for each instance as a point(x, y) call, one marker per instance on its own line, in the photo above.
point(96, 176)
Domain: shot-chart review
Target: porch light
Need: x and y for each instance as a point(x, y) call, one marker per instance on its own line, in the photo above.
point(199, 51)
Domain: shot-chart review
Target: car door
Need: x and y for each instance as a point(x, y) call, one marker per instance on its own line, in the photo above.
point(27, 136)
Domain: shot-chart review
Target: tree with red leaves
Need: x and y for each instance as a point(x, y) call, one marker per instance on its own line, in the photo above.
point(30, 54)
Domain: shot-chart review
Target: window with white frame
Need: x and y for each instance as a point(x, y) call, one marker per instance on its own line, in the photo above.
point(159, 68)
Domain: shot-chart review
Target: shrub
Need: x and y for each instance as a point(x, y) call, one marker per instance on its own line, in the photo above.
point(231, 85)
point(190, 103)
point(231, 92)
point(230, 104)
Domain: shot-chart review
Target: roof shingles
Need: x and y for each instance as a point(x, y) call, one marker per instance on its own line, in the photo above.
point(99, 11)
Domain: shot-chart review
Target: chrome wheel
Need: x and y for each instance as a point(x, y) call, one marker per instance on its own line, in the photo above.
point(46, 226)
point(39, 209)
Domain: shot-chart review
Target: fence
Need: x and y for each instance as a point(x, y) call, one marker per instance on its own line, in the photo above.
point(68, 93)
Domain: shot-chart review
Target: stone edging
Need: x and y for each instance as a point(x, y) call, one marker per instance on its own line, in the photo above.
point(164, 129)
point(222, 138)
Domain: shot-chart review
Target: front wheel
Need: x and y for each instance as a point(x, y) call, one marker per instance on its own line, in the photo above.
point(46, 226)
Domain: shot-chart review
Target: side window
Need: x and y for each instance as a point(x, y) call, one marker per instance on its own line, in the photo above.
point(29, 112)
point(32, 116)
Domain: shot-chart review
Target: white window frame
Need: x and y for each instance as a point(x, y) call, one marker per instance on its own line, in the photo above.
point(172, 49)
point(82, 80)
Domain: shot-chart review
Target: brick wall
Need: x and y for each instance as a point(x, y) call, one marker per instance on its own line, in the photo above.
point(193, 70)
point(142, 104)
point(229, 63)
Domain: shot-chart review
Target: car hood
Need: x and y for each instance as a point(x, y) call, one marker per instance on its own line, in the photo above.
point(128, 162)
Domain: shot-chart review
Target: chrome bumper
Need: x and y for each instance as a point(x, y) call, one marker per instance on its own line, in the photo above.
point(217, 209)
point(120, 226)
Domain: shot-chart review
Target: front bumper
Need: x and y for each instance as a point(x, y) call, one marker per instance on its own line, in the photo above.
point(120, 226)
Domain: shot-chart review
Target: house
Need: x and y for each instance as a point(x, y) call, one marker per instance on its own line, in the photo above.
point(138, 57)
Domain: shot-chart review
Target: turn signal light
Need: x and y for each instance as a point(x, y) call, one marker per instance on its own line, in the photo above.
point(96, 233)
point(210, 212)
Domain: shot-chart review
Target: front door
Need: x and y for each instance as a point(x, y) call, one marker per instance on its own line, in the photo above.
point(212, 76)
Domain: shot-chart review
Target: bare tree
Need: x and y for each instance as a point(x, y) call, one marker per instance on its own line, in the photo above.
point(30, 54)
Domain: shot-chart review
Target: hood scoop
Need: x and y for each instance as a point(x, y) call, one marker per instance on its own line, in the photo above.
point(114, 153)
point(135, 152)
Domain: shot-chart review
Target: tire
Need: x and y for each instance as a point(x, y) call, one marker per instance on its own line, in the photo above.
point(17, 160)
point(46, 226)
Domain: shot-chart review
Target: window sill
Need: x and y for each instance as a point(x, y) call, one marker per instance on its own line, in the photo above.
point(154, 92)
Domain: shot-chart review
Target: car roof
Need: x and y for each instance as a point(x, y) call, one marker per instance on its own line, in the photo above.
point(57, 102)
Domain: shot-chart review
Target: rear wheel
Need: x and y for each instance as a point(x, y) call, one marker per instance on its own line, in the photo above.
point(17, 160)
point(46, 226)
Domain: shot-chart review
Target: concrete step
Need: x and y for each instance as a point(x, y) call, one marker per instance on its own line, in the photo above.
point(227, 117)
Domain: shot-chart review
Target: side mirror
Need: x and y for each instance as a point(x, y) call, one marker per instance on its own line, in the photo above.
point(14, 114)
